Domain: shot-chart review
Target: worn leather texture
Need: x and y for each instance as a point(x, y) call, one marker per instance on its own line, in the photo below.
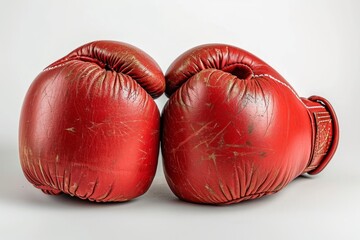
point(234, 129)
point(89, 126)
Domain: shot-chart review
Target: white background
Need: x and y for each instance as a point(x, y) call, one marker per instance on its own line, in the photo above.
point(315, 45)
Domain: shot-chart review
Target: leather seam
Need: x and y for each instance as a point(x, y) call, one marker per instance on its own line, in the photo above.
point(56, 66)
point(79, 58)
point(247, 196)
point(287, 86)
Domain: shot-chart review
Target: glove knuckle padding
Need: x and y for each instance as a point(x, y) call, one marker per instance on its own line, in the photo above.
point(227, 58)
point(89, 126)
point(122, 58)
point(233, 128)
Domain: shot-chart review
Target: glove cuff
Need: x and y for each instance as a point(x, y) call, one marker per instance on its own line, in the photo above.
point(325, 133)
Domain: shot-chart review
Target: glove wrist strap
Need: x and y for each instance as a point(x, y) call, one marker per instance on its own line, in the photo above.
point(325, 133)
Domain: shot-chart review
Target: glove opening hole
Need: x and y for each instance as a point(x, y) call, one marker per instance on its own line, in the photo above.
point(108, 68)
point(241, 71)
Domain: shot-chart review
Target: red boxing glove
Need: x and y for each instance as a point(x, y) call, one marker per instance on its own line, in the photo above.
point(89, 126)
point(234, 129)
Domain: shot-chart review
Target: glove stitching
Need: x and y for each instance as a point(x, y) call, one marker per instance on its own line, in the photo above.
point(284, 84)
point(245, 197)
point(56, 66)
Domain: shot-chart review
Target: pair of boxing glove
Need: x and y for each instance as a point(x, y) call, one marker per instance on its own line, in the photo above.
point(233, 128)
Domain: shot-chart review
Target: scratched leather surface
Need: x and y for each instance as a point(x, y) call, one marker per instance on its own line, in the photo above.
point(89, 126)
point(234, 129)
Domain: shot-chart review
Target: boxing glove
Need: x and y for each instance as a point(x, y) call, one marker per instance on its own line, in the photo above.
point(89, 126)
point(234, 129)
